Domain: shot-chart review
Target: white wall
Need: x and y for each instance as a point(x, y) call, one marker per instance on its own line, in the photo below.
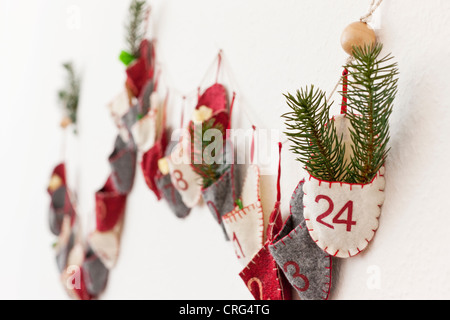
point(271, 47)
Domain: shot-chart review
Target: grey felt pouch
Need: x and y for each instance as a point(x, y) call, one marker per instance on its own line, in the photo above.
point(221, 196)
point(57, 212)
point(63, 253)
point(307, 268)
point(95, 274)
point(123, 165)
point(172, 196)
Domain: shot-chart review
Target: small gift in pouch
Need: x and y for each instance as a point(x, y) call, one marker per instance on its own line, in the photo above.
point(305, 265)
point(110, 208)
point(262, 276)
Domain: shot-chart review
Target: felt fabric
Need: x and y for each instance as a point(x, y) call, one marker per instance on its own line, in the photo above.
point(149, 161)
point(142, 69)
point(106, 245)
point(60, 203)
point(305, 265)
point(245, 227)
point(145, 129)
point(184, 179)
point(109, 206)
point(172, 196)
point(119, 106)
point(110, 210)
point(73, 277)
point(220, 197)
point(123, 165)
point(262, 275)
point(65, 244)
point(342, 218)
point(214, 97)
point(95, 274)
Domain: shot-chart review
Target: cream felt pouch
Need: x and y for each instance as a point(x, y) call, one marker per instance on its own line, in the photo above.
point(342, 218)
point(183, 176)
point(245, 227)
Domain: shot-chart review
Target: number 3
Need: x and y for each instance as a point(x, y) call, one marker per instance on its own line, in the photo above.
point(297, 274)
point(348, 206)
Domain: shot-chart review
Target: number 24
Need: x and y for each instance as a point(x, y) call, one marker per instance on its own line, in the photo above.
point(348, 206)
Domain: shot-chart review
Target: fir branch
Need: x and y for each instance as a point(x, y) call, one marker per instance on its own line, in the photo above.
point(207, 169)
point(69, 96)
point(134, 27)
point(313, 135)
point(372, 86)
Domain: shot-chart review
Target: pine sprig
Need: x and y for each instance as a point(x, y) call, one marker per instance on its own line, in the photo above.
point(313, 135)
point(372, 86)
point(69, 96)
point(208, 169)
point(134, 28)
point(371, 89)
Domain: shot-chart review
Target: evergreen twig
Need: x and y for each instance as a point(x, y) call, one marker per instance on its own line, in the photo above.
point(313, 135)
point(134, 27)
point(69, 96)
point(372, 86)
point(207, 169)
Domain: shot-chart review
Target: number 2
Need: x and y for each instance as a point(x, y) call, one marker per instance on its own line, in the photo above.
point(348, 206)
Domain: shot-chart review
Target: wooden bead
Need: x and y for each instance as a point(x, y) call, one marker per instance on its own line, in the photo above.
point(357, 34)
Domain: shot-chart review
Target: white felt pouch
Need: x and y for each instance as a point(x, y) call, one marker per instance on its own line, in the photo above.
point(184, 178)
point(342, 218)
point(144, 131)
point(245, 227)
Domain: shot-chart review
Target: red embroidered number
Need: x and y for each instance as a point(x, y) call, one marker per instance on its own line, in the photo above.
point(348, 206)
point(181, 183)
point(260, 286)
point(297, 274)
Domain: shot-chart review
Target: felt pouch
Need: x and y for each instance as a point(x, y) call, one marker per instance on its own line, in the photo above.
point(140, 71)
point(149, 161)
point(245, 227)
point(342, 218)
point(109, 212)
point(262, 276)
point(305, 265)
point(123, 165)
point(95, 274)
point(60, 204)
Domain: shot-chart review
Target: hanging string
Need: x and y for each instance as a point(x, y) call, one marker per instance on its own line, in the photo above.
point(280, 145)
point(344, 91)
point(252, 147)
point(373, 6)
point(219, 57)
